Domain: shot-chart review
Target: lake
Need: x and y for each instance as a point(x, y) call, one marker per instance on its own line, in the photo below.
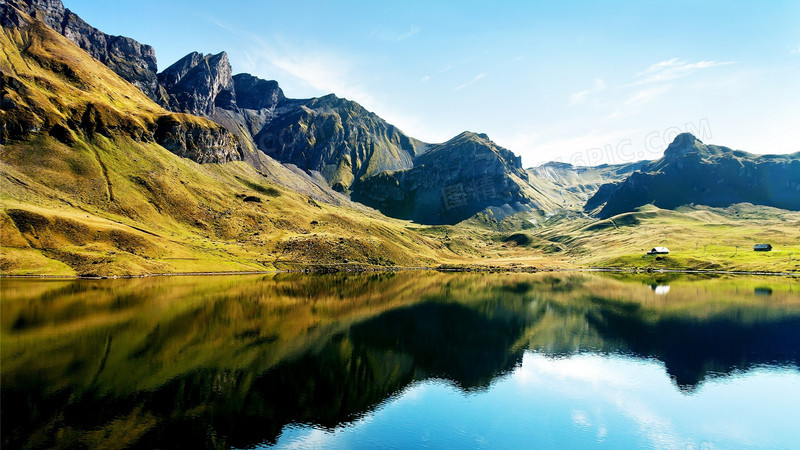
point(407, 359)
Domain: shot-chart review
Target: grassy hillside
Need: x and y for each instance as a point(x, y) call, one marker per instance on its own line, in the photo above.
point(698, 238)
point(85, 188)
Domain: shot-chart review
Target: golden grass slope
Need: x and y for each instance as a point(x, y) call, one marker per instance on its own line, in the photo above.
point(115, 203)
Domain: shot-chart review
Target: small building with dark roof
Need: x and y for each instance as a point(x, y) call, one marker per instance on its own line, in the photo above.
point(762, 248)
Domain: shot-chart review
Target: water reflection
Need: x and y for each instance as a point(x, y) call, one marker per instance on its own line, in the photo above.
point(230, 361)
point(660, 289)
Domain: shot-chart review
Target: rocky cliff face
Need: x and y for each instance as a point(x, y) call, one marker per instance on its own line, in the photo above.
point(338, 138)
point(694, 172)
point(196, 141)
point(452, 182)
point(131, 60)
point(199, 84)
point(255, 93)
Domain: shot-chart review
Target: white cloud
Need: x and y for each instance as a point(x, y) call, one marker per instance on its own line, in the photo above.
point(389, 35)
point(324, 71)
point(672, 69)
point(581, 96)
point(313, 69)
point(795, 50)
point(640, 98)
point(471, 82)
point(444, 69)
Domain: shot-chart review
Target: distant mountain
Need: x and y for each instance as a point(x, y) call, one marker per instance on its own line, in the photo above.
point(354, 150)
point(694, 172)
point(452, 182)
point(571, 186)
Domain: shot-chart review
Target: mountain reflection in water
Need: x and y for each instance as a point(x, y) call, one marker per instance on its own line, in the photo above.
point(230, 361)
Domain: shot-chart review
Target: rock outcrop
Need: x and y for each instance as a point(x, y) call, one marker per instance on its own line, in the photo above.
point(694, 172)
point(198, 142)
point(254, 93)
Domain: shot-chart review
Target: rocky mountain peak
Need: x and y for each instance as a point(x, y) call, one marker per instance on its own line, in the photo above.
point(469, 136)
point(198, 84)
point(683, 144)
point(469, 145)
point(173, 74)
point(255, 93)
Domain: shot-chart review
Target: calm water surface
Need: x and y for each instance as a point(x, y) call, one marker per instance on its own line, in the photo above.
point(411, 359)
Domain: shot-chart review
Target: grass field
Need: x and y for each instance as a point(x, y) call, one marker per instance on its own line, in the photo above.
point(698, 237)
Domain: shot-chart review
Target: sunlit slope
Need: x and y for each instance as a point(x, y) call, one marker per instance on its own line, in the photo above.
point(697, 237)
point(88, 186)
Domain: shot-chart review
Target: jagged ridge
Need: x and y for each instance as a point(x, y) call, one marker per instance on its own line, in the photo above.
point(694, 172)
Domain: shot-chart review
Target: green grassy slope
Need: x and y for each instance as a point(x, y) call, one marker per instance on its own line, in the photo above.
point(698, 238)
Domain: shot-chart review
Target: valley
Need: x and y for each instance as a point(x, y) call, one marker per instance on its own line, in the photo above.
point(112, 169)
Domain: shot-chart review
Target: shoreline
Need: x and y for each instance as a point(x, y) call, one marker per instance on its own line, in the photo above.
point(316, 269)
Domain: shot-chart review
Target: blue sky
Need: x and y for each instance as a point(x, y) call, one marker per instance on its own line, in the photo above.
point(582, 82)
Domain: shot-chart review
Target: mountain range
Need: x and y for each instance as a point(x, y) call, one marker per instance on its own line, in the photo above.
point(86, 117)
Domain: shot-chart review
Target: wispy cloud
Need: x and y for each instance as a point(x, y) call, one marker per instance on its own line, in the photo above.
point(640, 98)
point(672, 69)
point(581, 96)
point(795, 50)
point(471, 82)
point(390, 35)
point(444, 69)
point(324, 70)
point(316, 69)
point(645, 96)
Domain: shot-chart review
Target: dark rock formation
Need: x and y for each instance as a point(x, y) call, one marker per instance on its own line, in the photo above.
point(338, 138)
point(173, 74)
point(693, 172)
point(255, 93)
point(451, 182)
point(131, 60)
point(196, 141)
